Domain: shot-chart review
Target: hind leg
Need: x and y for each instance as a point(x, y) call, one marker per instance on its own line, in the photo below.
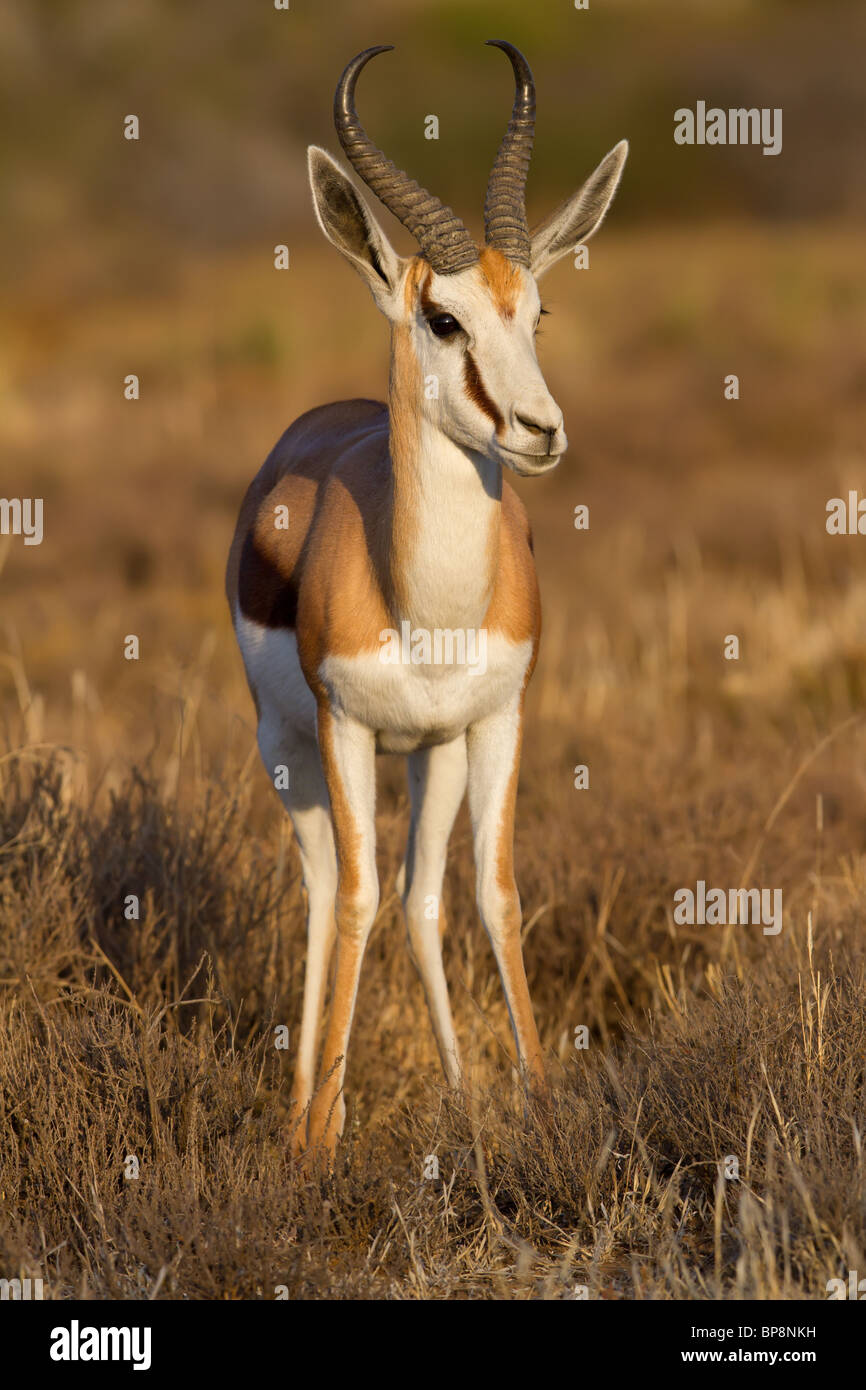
point(437, 782)
point(306, 800)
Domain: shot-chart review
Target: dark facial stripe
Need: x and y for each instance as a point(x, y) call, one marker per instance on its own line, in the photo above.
point(428, 305)
point(476, 392)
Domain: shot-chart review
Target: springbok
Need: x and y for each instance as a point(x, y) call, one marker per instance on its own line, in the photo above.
point(401, 532)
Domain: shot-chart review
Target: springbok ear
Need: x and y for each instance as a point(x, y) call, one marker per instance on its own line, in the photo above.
point(577, 219)
point(350, 225)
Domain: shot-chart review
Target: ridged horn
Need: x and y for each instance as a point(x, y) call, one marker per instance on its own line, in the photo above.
point(441, 236)
point(505, 224)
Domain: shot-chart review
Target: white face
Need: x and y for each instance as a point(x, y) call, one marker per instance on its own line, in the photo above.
point(474, 334)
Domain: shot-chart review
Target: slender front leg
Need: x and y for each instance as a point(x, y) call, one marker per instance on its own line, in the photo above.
point(493, 745)
point(349, 761)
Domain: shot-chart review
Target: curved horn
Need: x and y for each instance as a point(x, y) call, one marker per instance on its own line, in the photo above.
point(442, 237)
point(505, 208)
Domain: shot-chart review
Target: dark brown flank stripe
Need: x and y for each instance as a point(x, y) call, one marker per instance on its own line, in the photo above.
point(476, 392)
point(265, 596)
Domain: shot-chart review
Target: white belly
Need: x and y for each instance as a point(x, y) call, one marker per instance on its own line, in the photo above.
point(410, 705)
point(270, 656)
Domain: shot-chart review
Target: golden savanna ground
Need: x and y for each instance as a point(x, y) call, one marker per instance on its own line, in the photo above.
point(155, 1038)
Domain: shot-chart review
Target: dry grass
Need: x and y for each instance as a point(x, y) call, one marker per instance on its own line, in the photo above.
point(757, 1052)
point(155, 1038)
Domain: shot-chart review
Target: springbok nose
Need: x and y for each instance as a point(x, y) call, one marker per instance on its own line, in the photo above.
point(540, 424)
point(534, 426)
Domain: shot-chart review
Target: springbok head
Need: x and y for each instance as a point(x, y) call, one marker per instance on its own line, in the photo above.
point(468, 313)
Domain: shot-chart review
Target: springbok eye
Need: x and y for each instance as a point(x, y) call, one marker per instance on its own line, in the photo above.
point(443, 325)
